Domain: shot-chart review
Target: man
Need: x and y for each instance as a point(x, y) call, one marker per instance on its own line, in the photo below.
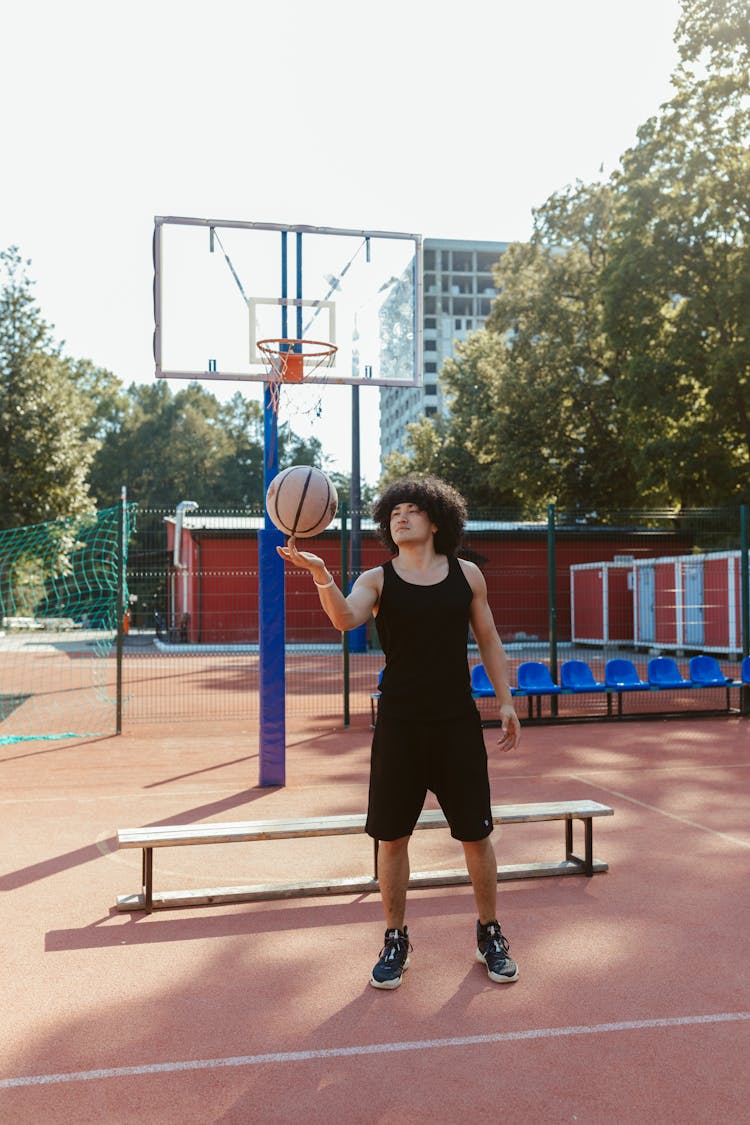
point(428, 735)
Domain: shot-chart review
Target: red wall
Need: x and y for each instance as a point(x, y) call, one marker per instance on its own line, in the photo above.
point(223, 580)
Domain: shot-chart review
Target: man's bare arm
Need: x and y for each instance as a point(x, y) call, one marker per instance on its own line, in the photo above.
point(493, 655)
point(344, 612)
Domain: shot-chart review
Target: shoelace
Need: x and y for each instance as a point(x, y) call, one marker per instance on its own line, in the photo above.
point(498, 943)
point(394, 947)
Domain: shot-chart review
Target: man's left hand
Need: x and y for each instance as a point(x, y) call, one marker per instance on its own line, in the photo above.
point(511, 737)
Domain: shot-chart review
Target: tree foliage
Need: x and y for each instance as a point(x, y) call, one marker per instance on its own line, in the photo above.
point(614, 369)
point(71, 435)
point(677, 284)
point(45, 451)
point(166, 447)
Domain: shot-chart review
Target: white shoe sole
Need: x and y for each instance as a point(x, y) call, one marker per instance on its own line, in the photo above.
point(390, 983)
point(494, 976)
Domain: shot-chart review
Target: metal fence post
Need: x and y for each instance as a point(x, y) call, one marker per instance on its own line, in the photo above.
point(120, 611)
point(552, 598)
point(745, 597)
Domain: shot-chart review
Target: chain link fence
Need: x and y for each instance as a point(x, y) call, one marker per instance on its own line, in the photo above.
point(136, 616)
point(561, 586)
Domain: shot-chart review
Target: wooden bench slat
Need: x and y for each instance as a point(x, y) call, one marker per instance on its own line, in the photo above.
point(236, 832)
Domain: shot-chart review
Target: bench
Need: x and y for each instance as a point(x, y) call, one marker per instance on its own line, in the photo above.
point(181, 835)
point(621, 677)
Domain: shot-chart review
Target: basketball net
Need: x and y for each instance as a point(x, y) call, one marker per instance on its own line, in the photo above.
point(292, 361)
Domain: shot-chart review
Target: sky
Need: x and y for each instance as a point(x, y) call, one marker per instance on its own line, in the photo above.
point(451, 120)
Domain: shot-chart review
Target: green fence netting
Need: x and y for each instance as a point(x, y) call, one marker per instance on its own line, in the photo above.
point(61, 583)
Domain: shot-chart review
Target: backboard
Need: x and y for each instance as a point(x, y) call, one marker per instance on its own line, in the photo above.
point(221, 286)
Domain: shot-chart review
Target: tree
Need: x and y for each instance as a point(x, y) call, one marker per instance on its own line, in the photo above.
point(614, 370)
point(45, 451)
point(105, 396)
point(439, 446)
point(677, 285)
point(241, 471)
point(168, 447)
point(534, 411)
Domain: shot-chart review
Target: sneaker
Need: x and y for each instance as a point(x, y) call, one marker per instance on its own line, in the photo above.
point(492, 949)
point(394, 958)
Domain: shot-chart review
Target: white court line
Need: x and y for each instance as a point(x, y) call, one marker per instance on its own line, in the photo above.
point(368, 1049)
point(662, 812)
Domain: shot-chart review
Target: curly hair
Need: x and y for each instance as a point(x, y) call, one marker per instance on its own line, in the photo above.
point(445, 507)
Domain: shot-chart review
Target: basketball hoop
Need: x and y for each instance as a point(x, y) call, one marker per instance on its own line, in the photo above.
point(288, 360)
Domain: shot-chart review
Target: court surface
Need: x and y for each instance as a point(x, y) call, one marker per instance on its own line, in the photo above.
point(632, 1004)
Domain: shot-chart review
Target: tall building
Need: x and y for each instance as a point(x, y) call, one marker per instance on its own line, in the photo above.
point(458, 289)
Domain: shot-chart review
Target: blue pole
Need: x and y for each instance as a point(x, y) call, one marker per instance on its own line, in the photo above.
point(552, 596)
point(271, 616)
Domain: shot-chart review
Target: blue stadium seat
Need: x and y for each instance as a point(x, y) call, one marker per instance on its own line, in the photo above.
point(575, 675)
point(705, 671)
point(534, 679)
point(664, 672)
point(481, 688)
point(622, 675)
point(745, 673)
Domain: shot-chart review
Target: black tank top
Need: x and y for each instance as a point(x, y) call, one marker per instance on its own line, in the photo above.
point(424, 631)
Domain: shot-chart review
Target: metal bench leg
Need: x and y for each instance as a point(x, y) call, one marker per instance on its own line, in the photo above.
point(147, 879)
point(588, 826)
point(588, 855)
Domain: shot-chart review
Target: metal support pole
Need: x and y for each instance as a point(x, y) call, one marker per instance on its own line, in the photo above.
point(120, 611)
point(358, 636)
point(344, 587)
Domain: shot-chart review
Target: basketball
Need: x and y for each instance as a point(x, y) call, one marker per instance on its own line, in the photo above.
point(301, 501)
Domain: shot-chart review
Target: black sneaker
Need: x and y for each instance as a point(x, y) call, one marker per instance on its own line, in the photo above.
point(394, 958)
point(492, 949)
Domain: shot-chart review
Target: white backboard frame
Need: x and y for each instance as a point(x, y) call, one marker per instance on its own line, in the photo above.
point(254, 370)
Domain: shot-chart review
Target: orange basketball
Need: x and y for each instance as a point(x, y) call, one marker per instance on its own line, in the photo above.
point(301, 501)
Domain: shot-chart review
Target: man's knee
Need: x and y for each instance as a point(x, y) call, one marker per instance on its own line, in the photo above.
point(479, 848)
point(394, 847)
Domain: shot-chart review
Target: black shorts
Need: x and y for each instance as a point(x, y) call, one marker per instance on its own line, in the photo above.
point(447, 757)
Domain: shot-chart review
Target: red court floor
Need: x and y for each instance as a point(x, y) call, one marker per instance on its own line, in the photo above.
point(632, 1004)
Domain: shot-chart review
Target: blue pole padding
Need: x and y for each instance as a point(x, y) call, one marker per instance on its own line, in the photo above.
point(271, 615)
point(272, 669)
point(358, 636)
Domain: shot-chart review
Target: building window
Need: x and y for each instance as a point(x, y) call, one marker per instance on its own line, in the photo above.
point(430, 367)
point(430, 411)
point(430, 388)
point(463, 261)
point(430, 345)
